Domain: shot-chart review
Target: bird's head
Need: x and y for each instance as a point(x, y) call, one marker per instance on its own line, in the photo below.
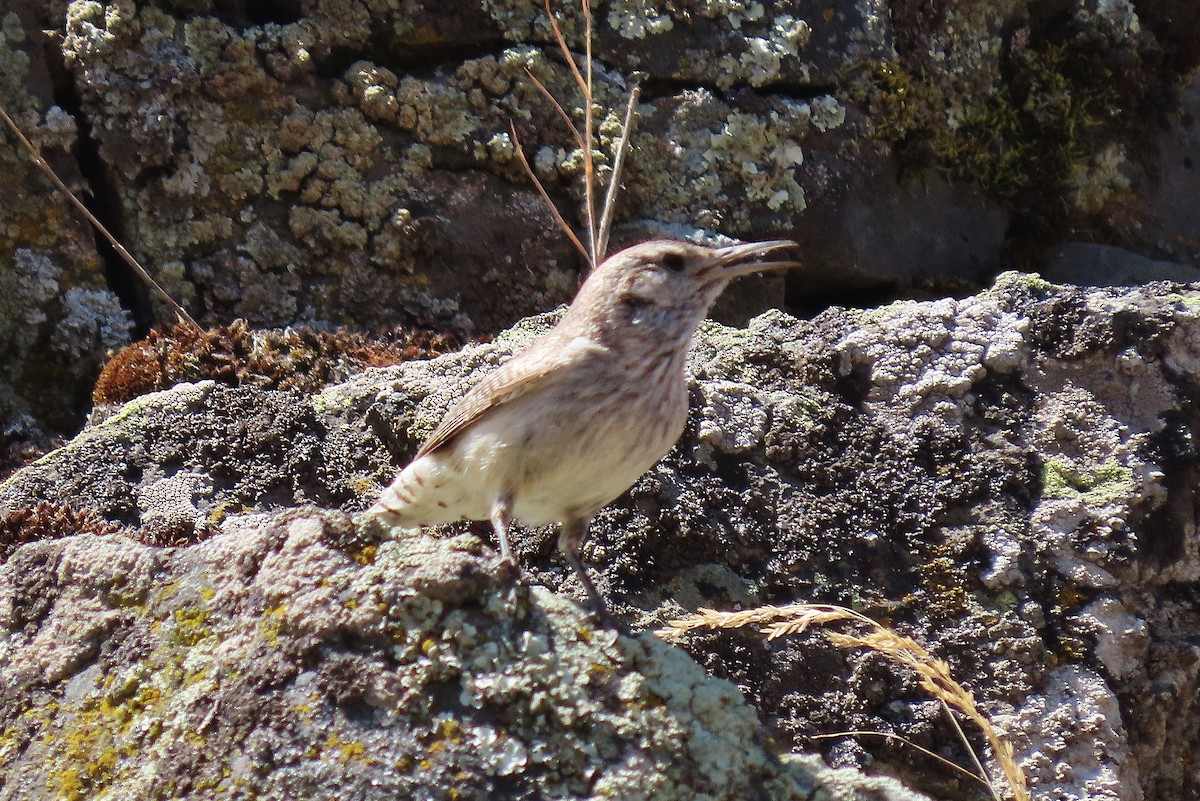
point(667, 287)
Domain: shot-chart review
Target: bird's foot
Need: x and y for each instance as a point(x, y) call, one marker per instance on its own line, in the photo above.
point(508, 570)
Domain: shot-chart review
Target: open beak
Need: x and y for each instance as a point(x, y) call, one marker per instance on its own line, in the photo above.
point(735, 261)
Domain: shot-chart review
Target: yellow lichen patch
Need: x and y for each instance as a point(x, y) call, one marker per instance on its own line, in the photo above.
point(450, 729)
point(9, 742)
point(943, 593)
point(1071, 597)
point(191, 626)
point(347, 749)
point(366, 555)
point(601, 672)
point(271, 622)
point(99, 737)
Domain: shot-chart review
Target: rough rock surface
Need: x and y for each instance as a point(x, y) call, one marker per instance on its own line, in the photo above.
point(1010, 478)
point(288, 657)
point(58, 313)
point(350, 161)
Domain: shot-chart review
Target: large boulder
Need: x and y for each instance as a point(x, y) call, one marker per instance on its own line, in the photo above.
point(1009, 478)
point(287, 657)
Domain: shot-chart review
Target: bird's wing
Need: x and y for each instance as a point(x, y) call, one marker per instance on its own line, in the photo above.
point(527, 372)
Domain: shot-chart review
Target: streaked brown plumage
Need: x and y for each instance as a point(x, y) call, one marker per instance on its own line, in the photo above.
point(566, 426)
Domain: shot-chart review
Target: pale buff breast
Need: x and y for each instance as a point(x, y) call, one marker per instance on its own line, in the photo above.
point(577, 453)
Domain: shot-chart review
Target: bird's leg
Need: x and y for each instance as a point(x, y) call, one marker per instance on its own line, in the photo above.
point(570, 540)
point(501, 517)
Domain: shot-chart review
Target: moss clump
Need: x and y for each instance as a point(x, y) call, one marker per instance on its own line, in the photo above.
point(47, 521)
point(1037, 127)
point(296, 358)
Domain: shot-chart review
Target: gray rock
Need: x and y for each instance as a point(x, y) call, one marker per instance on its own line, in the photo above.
point(899, 239)
point(1168, 217)
point(58, 317)
point(288, 658)
point(1088, 264)
point(341, 164)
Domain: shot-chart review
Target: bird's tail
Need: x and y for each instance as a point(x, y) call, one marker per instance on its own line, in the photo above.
point(395, 506)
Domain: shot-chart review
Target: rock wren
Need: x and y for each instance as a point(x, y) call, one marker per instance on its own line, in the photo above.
point(565, 427)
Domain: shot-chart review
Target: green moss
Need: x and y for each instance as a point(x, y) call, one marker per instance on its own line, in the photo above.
point(1036, 283)
point(1188, 300)
point(1031, 129)
point(1004, 602)
point(900, 103)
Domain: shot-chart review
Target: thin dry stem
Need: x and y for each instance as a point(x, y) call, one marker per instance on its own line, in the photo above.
point(558, 218)
point(562, 44)
point(597, 231)
point(585, 86)
point(962, 736)
point(562, 112)
point(99, 226)
point(589, 165)
point(614, 182)
point(887, 735)
point(933, 674)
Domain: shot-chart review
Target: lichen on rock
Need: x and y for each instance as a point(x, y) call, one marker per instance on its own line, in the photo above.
point(284, 656)
point(1001, 476)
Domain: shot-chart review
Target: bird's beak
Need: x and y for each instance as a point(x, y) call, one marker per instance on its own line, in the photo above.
point(734, 261)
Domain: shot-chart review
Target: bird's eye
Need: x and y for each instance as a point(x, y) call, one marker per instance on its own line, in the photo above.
point(673, 262)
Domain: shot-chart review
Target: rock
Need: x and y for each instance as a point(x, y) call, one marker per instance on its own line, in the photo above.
point(58, 315)
point(888, 239)
point(322, 164)
point(1009, 478)
point(1089, 264)
point(288, 657)
point(1168, 217)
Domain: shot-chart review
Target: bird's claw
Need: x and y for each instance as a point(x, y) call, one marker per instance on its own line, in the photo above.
point(507, 569)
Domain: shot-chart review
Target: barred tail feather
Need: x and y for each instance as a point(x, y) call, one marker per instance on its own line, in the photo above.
point(395, 505)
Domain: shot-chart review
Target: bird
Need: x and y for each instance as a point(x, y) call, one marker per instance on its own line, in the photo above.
point(566, 426)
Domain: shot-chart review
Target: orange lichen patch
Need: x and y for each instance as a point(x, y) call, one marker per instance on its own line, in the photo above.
point(47, 521)
point(299, 358)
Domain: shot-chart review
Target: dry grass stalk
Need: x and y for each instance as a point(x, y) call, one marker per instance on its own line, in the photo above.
point(614, 184)
point(933, 673)
point(558, 218)
point(597, 229)
point(887, 735)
